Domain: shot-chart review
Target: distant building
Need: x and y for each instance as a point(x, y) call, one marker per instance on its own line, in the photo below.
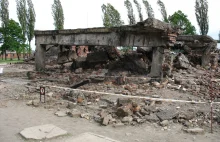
point(13, 55)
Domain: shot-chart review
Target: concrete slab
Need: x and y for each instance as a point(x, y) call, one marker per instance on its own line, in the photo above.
point(42, 132)
point(90, 137)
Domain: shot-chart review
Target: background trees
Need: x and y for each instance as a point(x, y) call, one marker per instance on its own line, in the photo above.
point(26, 17)
point(139, 10)
point(180, 19)
point(163, 10)
point(58, 16)
point(131, 16)
point(149, 9)
point(14, 39)
point(111, 17)
point(31, 19)
point(201, 11)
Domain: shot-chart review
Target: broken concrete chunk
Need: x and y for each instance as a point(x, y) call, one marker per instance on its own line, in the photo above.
point(106, 120)
point(74, 113)
point(36, 103)
point(164, 123)
point(61, 113)
point(85, 115)
point(42, 132)
point(166, 114)
point(124, 111)
point(127, 119)
point(151, 118)
point(181, 61)
point(29, 103)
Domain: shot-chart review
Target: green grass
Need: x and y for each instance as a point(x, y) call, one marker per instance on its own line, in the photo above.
point(11, 61)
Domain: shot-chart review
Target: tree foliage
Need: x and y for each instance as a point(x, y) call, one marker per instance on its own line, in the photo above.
point(163, 10)
point(4, 12)
point(131, 16)
point(31, 19)
point(149, 9)
point(181, 20)
point(139, 10)
point(14, 39)
point(201, 11)
point(58, 15)
point(4, 17)
point(111, 17)
point(22, 17)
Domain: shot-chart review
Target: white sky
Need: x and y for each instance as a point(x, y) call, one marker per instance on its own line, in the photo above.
point(87, 13)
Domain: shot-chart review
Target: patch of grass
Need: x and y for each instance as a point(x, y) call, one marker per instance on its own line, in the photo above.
point(11, 61)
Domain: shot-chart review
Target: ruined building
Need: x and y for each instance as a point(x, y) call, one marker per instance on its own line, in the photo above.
point(150, 37)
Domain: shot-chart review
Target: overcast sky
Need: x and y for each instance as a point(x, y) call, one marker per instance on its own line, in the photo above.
point(87, 13)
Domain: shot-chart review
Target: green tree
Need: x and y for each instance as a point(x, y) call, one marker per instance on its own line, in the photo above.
point(181, 20)
point(4, 17)
point(139, 10)
point(149, 9)
point(58, 16)
point(31, 19)
point(111, 17)
point(14, 39)
point(131, 16)
point(163, 10)
point(201, 11)
point(22, 15)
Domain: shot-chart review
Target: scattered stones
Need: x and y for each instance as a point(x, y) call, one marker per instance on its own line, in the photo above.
point(61, 113)
point(79, 70)
point(50, 94)
point(124, 111)
point(85, 115)
point(42, 132)
point(166, 114)
point(164, 123)
point(36, 103)
point(74, 113)
point(29, 103)
point(194, 130)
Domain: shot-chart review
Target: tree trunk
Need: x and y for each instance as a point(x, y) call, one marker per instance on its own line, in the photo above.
point(18, 56)
point(29, 53)
point(5, 55)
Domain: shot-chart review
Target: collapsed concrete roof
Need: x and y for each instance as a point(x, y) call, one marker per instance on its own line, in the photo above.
point(197, 41)
point(150, 32)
